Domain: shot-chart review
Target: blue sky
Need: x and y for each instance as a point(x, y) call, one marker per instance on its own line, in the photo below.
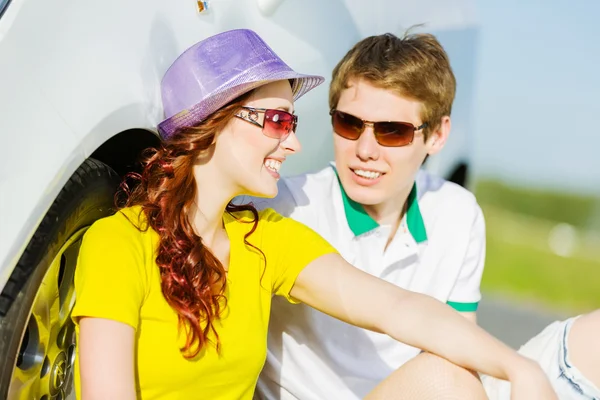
point(537, 93)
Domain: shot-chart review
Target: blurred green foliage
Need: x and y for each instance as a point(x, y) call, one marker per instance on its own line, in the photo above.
point(577, 210)
point(520, 262)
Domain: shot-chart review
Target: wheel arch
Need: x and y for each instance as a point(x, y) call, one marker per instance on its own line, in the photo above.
point(121, 153)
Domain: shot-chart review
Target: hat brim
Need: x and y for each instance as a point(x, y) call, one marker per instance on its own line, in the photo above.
point(200, 111)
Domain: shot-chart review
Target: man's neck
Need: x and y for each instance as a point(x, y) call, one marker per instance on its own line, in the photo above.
point(390, 212)
point(386, 214)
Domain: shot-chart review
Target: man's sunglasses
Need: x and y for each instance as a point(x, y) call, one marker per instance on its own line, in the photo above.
point(387, 133)
point(278, 124)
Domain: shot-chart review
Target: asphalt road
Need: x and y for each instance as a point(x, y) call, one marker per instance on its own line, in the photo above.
point(513, 323)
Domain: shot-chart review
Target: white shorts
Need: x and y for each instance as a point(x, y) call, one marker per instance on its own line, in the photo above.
point(550, 350)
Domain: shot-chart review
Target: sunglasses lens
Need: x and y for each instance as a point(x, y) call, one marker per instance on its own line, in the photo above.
point(279, 124)
point(391, 134)
point(346, 125)
point(394, 134)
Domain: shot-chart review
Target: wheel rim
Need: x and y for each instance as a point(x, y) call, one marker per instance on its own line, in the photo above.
point(44, 365)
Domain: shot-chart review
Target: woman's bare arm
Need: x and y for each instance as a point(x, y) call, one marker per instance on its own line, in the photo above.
point(106, 359)
point(333, 286)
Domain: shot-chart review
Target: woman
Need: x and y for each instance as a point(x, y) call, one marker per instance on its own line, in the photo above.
point(174, 290)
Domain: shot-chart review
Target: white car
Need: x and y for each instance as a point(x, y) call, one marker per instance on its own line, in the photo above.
point(80, 98)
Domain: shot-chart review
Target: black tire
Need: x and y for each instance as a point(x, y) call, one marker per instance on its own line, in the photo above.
point(87, 196)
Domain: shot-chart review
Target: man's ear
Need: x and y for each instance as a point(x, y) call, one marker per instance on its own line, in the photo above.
point(437, 139)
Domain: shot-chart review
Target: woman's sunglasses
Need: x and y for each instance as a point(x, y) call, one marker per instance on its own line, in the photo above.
point(278, 124)
point(387, 133)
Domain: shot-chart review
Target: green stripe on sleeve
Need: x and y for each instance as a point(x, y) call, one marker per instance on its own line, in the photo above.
point(463, 307)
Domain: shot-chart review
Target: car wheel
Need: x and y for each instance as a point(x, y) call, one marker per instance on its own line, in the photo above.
point(37, 336)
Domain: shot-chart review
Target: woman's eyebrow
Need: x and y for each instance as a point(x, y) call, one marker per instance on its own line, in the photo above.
point(285, 108)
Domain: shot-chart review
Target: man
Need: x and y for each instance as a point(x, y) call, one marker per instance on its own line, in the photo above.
point(387, 217)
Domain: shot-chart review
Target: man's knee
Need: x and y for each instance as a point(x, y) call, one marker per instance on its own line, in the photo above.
point(584, 346)
point(430, 377)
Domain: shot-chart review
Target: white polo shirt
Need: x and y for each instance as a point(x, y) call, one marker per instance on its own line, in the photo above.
point(439, 249)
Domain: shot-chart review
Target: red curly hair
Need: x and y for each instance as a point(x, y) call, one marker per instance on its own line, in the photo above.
point(193, 280)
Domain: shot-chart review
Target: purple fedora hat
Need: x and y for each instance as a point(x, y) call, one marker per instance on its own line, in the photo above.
point(217, 70)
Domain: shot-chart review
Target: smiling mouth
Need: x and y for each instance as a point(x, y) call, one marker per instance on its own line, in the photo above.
point(367, 174)
point(272, 165)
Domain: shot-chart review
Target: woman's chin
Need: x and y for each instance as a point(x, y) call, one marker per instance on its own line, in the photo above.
point(265, 190)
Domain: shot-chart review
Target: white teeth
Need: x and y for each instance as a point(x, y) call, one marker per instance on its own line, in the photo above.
point(367, 174)
point(273, 165)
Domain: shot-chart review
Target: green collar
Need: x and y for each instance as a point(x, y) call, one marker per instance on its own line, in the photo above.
point(360, 222)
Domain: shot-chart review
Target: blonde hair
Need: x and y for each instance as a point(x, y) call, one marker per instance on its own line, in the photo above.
point(414, 66)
